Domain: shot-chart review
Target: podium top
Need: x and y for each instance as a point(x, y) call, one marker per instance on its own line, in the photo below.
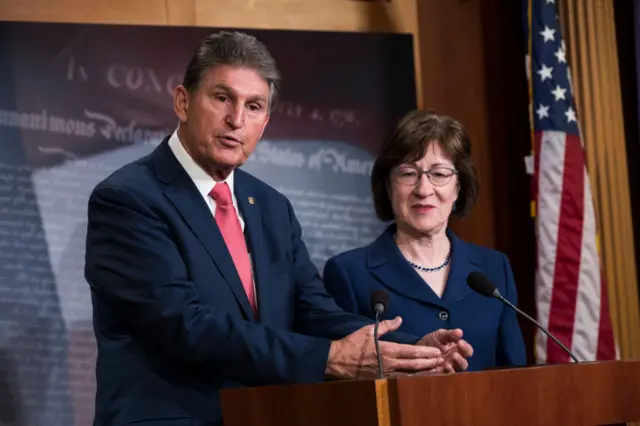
point(593, 393)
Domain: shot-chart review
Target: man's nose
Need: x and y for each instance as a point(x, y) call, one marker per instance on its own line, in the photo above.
point(235, 116)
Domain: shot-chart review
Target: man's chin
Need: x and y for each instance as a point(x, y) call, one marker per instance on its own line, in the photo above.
point(220, 167)
point(232, 162)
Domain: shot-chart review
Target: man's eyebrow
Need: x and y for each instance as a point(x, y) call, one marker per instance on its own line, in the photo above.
point(254, 98)
point(257, 98)
point(223, 87)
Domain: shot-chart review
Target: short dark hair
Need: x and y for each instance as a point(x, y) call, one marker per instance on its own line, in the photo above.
point(236, 49)
point(409, 142)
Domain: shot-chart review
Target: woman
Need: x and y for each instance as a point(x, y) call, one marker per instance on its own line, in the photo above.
point(422, 176)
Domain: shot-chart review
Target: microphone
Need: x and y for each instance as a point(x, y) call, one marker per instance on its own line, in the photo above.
point(379, 302)
point(481, 284)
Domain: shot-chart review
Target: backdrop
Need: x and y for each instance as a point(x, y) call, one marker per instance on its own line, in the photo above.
point(79, 101)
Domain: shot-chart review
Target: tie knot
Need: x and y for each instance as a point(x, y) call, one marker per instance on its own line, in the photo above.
point(221, 194)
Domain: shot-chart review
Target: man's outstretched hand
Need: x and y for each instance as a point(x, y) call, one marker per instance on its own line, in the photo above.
point(354, 357)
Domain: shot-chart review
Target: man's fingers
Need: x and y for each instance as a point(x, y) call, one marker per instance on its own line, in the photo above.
point(432, 372)
point(413, 365)
point(399, 374)
point(397, 350)
point(389, 325)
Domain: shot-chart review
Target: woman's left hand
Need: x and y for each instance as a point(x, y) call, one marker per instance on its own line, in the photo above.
point(454, 349)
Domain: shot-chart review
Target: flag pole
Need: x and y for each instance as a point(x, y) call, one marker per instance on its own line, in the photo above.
point(529, 66)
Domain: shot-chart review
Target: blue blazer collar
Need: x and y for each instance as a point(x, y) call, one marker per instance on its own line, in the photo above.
point(184, 195)
point(389, 265)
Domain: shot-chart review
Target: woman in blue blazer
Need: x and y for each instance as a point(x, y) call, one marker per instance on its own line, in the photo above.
point(422, 176)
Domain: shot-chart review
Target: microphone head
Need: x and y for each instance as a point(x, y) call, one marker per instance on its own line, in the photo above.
point(481, 284)
point(379, 300)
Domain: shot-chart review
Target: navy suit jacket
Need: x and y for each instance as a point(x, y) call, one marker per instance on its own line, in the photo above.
point(172, 321)
point(489, 326)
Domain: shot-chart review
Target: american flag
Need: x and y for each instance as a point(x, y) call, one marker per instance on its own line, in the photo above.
point(571, 293)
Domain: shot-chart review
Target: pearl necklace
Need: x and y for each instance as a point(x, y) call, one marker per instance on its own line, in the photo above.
point(422, 268)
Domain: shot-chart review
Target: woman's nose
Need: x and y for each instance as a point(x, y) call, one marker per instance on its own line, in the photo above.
point(423, 186)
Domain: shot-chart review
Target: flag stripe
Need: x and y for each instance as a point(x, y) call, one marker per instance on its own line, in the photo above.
point(569, 245)
point(587, 319)
point(550, 169)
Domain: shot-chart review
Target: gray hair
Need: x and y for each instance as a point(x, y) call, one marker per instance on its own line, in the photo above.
point(235, 49)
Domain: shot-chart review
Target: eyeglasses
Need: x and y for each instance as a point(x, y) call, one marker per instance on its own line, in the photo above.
point(438, 176)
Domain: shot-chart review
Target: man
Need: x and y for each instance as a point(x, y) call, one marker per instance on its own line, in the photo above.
point(199, 277)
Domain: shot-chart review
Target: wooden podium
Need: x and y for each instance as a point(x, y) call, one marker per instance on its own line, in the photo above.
point(598, 393)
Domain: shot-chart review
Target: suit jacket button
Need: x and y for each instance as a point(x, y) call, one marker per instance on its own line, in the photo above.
point(444, 315)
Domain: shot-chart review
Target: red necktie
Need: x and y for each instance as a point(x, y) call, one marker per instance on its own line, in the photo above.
point(229, 224)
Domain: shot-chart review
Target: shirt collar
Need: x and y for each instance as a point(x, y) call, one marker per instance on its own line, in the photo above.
point(203, 181)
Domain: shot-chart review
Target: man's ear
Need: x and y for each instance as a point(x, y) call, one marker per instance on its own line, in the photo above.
point(181, 103)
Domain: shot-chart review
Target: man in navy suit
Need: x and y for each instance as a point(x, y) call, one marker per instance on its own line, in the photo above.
point(199, 277)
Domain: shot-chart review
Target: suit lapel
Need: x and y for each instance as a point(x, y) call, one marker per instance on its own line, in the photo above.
point(464, 260)
point(184, 195)
point(249, 204)
point(386, 262)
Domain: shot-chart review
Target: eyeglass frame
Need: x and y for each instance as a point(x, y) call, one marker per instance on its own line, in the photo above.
point(395, 170)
